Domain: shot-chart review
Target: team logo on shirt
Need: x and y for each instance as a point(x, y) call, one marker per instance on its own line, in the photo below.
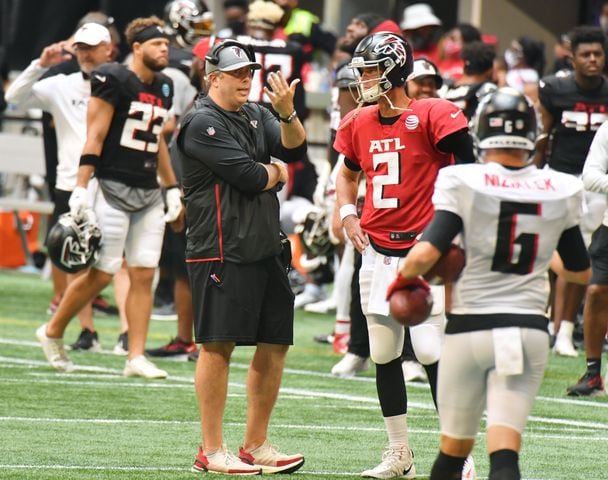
point(411, 122)
point(254, 123)
point(211, 131)
point(166, 90)
point(387, 260)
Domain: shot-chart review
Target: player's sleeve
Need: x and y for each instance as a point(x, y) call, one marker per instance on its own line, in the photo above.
point(445, 118)
point(210, 143)
point(344, 137)
point(545, 94)
point(105, 85)
point(448, 190)
point(595, 169)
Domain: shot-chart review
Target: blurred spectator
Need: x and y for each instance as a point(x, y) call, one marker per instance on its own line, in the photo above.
point(525, 60)
point(304, 27)
point(422, 29)
point(562, 54)
point(424, 81)
point(450, 47)
point(603, 20)
point(235, 15)
point(476, 81)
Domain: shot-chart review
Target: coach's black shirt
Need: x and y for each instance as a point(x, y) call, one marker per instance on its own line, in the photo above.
point(229, 215)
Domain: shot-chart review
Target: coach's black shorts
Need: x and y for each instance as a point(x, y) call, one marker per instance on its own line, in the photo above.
point(242, 303)
point(62, 198)
point(173, 254)
point(598, 252)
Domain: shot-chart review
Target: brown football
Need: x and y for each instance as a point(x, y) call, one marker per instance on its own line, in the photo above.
point(411, 306)
point(448, 268)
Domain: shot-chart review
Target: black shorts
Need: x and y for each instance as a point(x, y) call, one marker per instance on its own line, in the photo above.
point(242, 303)
point(62, 198)
point(598, 252)
point(173, 254)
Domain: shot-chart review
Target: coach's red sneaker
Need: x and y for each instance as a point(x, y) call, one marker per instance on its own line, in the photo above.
point(271, 460)
point(223, 461)
point(174, 348)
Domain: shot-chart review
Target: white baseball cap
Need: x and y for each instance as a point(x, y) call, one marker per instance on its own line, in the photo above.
point(425, 68)
point(92, 34)
point(417, 16)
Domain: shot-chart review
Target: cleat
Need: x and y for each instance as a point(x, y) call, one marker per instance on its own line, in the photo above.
point(102, 307)
point(340, 343)
point(324, 338)
point(271, 460)
point(54, 351)
point(324, 306)
point(413, 372)
point(87, 341)
point(397, 462)
point(312, 293)
point(193, 357)
point(589, 385)
point(350, 365)
point(223, 461)
point(142, 367)
point(122, 345)
point(174, 348)
point(468, 470)
point(164, 313)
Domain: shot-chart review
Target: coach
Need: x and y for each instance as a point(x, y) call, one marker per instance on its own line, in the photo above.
point(241, 294)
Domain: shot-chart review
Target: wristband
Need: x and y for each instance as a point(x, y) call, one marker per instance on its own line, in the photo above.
point(347, 210)
point(89, 159)
point(290, 118)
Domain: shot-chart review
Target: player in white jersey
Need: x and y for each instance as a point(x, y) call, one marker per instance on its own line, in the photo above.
point(66, 98)
point(512, 217)
point(595, 178)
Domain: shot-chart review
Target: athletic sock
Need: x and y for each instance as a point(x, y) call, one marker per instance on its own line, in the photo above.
point(504, 466)
point(594, 366)
point(447, 467)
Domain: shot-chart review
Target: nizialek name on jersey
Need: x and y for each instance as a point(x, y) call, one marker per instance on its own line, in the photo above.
point(543, 184)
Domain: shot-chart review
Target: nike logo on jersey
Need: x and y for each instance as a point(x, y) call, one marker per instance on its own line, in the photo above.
point(101, 78)
point(455, 114)
point(385, 145)
point(542, 184)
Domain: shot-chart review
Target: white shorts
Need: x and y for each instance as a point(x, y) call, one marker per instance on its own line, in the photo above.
point(386, 335)
point(138, 236)
point(468, 382)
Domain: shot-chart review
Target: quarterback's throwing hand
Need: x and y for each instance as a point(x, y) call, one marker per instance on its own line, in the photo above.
point(281, 94)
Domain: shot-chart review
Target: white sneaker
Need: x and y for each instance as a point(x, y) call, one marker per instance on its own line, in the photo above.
point(468, 470)
point(324, 306)
point(396, 463)
point(142, 367)
point(350, 365)
point(564, 347)
point(312, 293)
point(413, 372)
point(54, 351)
point(223, 461)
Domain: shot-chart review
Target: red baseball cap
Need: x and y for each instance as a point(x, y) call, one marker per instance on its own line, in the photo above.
point(202, 47)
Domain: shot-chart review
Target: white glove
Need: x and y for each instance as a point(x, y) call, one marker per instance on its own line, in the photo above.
point(173, 198)
point(79, 202)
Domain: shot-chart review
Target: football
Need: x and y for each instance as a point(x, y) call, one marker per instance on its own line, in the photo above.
point(448, 268)
point(411, 306)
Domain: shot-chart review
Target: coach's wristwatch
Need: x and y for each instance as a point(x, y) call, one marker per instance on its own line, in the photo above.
point(292, 116)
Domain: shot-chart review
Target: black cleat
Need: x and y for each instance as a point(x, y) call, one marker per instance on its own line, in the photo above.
point(590, 384)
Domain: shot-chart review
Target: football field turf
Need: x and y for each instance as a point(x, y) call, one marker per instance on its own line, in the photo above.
point(96, 424)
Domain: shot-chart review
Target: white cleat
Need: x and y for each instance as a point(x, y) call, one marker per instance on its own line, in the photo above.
point(54, 351)
point(397, 462)
point(350, 365)
point(468, 470)
point(413, 372)
point(142, 367)
point(324, 306)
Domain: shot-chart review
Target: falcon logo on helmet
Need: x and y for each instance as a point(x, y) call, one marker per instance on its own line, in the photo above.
point(391, 57)
point(74, 245)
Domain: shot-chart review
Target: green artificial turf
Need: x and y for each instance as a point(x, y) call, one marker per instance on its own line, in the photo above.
point(96, 424)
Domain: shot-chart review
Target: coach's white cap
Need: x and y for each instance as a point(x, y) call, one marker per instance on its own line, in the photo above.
point(92, 34)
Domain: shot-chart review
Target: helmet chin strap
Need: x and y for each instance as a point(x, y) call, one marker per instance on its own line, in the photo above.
point(403, 109)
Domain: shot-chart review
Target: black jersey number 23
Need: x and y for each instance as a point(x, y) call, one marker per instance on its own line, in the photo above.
point(143, 127)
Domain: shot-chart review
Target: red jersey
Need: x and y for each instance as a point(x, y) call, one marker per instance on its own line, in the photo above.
point(400, 162)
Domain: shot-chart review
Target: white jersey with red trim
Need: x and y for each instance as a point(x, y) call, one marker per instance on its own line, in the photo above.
point(512, 223)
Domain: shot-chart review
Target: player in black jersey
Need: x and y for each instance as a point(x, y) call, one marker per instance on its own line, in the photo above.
point(476, 80)
point(126, 151)
point(572, 109)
